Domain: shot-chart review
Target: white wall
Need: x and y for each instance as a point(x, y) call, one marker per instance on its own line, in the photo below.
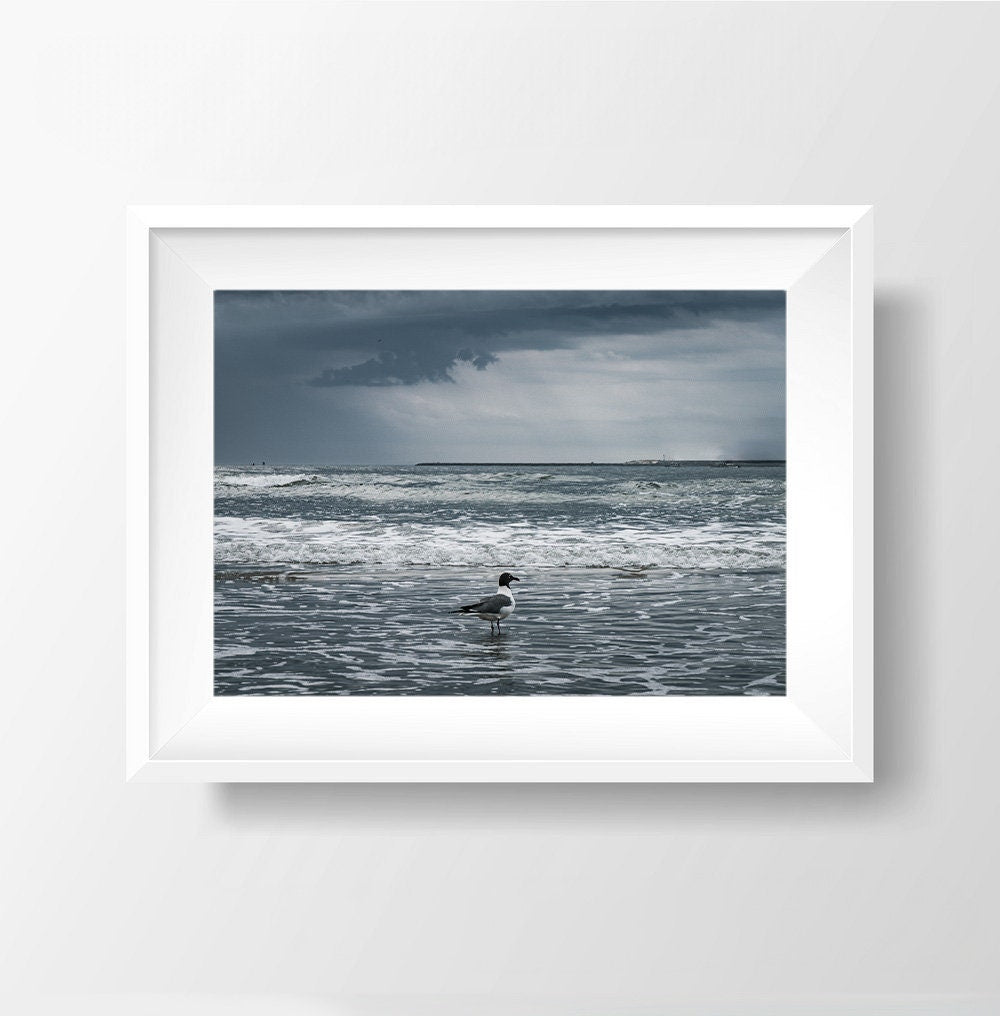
point(499, 899)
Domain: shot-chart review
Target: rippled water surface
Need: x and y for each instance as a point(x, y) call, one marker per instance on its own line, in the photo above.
point(647, 580)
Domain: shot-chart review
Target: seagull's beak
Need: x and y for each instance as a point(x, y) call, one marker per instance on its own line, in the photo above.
point(514, 578)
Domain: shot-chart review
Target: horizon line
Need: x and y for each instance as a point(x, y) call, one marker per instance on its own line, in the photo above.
point(581, 462)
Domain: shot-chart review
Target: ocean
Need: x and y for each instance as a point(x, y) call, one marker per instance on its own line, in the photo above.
point(635, 580)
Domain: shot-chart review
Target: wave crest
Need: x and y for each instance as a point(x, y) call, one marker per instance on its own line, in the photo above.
point(265, 481)
point(263, 542)
point(496, 488)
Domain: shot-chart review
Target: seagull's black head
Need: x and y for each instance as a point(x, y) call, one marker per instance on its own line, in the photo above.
point(507, 578)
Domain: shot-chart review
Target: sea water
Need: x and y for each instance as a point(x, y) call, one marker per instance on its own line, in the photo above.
point(635, 580)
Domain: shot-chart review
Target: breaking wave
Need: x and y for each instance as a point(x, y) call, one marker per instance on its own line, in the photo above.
point(267, 481)
point(302, 542)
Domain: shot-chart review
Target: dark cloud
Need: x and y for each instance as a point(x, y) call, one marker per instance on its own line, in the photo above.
point(402, 367)
point(351, 376)
point(404, 338)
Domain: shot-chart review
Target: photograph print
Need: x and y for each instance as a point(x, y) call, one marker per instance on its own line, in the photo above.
point(502, 492)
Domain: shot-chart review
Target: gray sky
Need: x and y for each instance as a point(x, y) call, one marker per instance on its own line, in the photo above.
point(318, 378)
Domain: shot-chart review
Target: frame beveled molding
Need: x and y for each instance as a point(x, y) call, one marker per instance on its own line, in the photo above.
point(176, 730)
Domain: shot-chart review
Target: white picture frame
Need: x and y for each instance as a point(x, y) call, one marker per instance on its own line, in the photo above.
point(820, 731)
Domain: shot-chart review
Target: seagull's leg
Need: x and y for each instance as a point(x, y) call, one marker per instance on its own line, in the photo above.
point(498, 627)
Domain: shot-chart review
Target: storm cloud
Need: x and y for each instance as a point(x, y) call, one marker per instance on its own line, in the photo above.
point(403, 367)
point(702, 369)
point(421, 336)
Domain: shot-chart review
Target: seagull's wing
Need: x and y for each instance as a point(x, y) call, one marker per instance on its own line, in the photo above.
point(492, 604)
point(488, 605)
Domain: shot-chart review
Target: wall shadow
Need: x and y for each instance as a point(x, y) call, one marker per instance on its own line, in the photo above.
point(903, 397)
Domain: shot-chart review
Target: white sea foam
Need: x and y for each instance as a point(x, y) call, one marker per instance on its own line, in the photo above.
point(265, 481)
point(299, 542)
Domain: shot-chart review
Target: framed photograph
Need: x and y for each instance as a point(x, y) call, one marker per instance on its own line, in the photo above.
point(500, 494)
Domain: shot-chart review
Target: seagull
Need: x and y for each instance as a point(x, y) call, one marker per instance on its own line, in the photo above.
point(496, 607)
